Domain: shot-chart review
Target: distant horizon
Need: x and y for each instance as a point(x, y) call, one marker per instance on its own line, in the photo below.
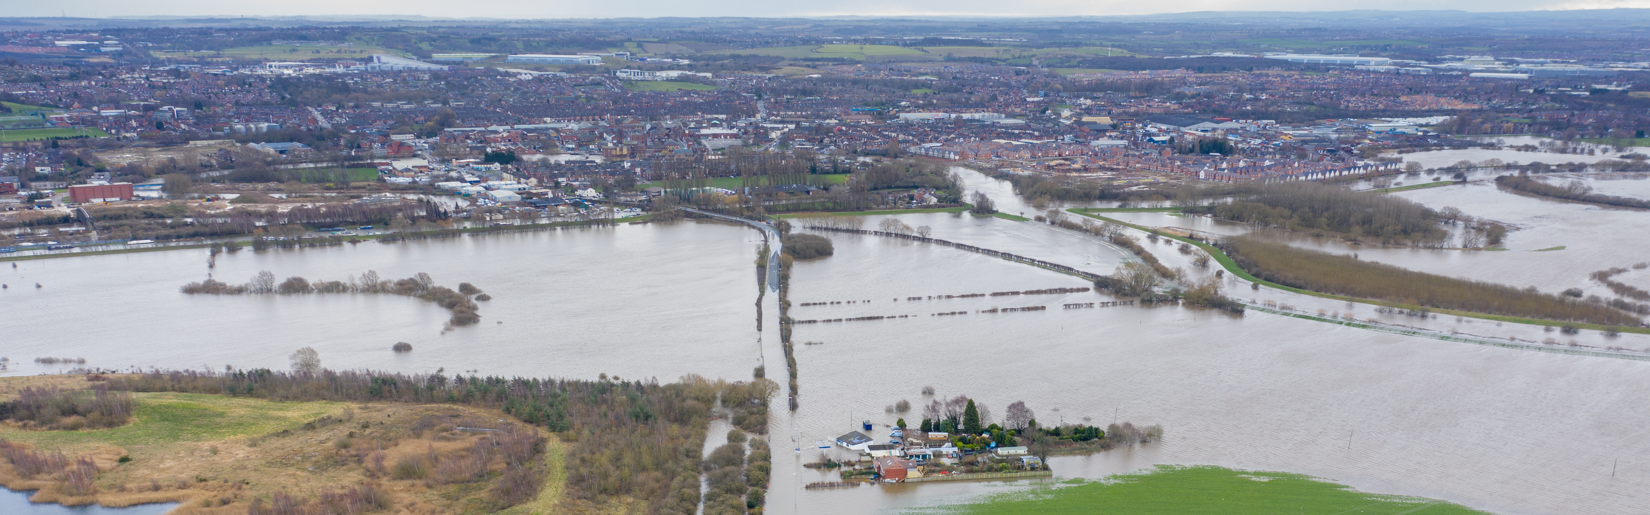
point(516, 10)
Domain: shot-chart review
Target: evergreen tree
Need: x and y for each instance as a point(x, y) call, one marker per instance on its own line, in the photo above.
point(900, 424)
point(927, 425)
point(971, 419)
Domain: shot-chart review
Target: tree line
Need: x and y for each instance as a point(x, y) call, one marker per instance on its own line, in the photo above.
point(420, 285)
point(1347, 275)
point(1323, 209)
point(1575, 191)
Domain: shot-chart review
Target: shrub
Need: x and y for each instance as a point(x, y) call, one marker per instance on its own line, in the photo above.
point(402, 347)
point(56, 408)
point(808, 246)
point(411, 467)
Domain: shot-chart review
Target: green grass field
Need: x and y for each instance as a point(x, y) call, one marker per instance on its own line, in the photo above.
point(856, 52)
point(40, 134)
point(362, 174)
point(1203, 490)
point(163, 418)
point(1087, 51)
point(25, 108)
point(667, 86)
point(973, 51)
point(863, 51)
point(1009, 217)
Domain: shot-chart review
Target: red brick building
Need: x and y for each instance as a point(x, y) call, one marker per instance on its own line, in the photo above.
point(892, 468)
point(82, 193)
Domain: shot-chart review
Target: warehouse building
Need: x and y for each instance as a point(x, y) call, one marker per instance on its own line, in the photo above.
point(390, 63)
point(1350, 60)
point(554, 59)
point(83, 193)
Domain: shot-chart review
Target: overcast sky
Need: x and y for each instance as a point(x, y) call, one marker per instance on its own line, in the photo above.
point(532, 9)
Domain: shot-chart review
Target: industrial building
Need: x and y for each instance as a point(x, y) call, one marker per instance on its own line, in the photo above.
point(628, 74)
point(1352, 60)
point(554, 59)
point(83, 193)
point(461, 58)
point(390, 63)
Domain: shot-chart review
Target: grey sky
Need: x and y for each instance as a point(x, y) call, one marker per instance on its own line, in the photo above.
point(520, 9)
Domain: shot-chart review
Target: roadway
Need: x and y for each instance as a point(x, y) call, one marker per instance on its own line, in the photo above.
point(775, 244)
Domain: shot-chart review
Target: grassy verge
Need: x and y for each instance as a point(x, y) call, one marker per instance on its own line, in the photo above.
point(1415, 187)
point(1550, 249)
point(555, 478)
point(1231, 267)
point(1212, 490)
point(957, 209)
point(1007, 216)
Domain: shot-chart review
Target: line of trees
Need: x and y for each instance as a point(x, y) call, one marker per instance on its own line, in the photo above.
point(1347, 275)
point(1323, 209)
point(420, 285)
point(1576, 191)
point(1036, 187)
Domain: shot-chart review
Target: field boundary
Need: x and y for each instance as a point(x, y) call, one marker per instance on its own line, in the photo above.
point(1231, 266)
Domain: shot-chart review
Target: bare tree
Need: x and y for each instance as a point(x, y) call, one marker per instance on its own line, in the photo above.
point(982, 204)
point(264, 282)
point(1019, 416)
point(306, 361)
point(933, 411)
point(894, 225)
point(924, 231)
point(1136, 278)
point(954, 408)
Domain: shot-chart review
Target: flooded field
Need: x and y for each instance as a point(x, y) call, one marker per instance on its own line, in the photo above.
point(1510, 431)
point(1451, 421)
point(570, 303)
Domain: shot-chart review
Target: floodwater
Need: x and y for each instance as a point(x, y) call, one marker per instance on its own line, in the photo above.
point(638, 301)
point(18, 502)
point(1505, 430)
